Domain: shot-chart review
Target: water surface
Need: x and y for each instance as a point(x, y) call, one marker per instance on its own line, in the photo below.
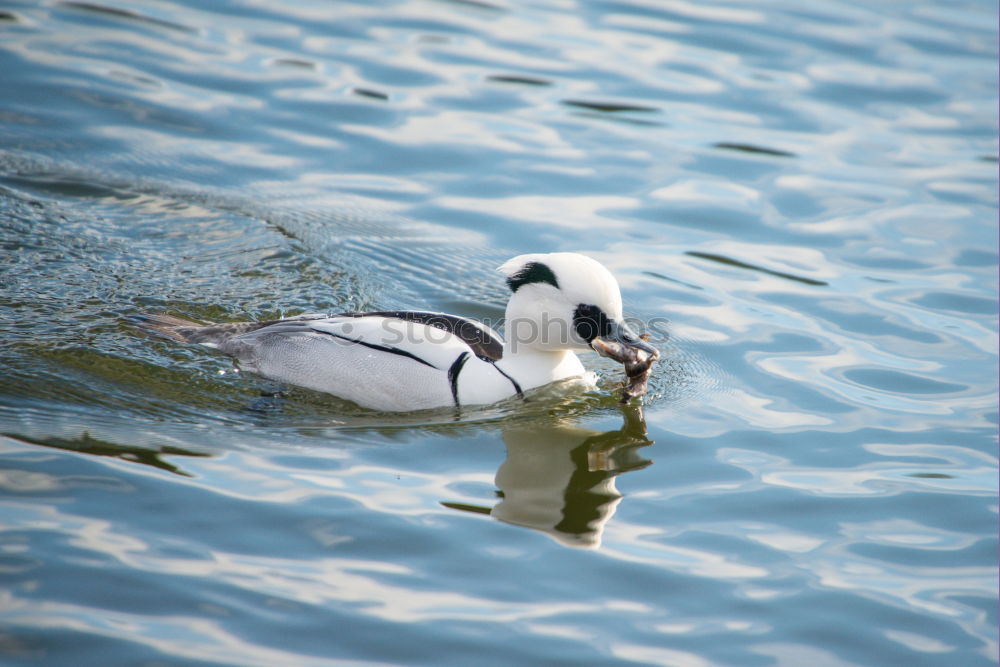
point(799, 200)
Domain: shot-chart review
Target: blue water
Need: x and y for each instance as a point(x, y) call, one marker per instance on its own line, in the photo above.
point(799, 200)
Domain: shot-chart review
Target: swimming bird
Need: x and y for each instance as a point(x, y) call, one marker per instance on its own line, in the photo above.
point(410, 360)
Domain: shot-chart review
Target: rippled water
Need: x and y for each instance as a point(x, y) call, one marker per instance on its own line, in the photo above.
point(806, 191)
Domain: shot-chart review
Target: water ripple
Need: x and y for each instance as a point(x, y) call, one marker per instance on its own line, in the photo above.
point(798, 201)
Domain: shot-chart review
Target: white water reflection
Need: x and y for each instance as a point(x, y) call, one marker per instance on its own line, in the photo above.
point(580, 213)
point(960, 472)
point(185, 637)
point(559, 479)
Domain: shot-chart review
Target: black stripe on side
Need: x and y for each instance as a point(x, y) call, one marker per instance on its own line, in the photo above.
point(483, 343)
point(453, 372)
point(517, 387)
point(381, 348)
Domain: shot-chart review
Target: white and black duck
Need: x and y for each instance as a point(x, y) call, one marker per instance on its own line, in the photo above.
point(411, 360)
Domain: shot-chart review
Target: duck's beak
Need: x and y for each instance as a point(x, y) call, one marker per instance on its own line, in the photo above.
point(620, 334)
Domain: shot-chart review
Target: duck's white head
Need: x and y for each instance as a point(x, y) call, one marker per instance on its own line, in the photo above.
point(563, 301)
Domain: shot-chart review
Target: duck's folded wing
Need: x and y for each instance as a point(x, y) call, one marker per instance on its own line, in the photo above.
point(409, 340)
point(377, 361)
point(483, 341)
point(327, 337)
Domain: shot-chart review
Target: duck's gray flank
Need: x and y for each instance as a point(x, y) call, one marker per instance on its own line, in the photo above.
point(381, 348)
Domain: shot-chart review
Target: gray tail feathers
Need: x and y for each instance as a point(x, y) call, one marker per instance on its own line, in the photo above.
point(181, 330)
point(186, 331)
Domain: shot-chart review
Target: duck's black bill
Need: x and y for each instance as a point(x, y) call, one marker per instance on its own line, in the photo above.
point(622, 344)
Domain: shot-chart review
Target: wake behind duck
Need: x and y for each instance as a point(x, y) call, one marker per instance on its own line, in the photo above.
point(412, 360)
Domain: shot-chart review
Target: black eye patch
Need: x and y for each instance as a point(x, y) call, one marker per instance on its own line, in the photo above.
point(590, 322)
point(532, 272)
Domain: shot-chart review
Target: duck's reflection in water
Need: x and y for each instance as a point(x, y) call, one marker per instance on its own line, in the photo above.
point(560, 479)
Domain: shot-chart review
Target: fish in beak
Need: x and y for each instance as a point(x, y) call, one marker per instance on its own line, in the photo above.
point(625, 347)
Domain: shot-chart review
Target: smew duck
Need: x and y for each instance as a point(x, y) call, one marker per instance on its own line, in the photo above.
point(560, 303)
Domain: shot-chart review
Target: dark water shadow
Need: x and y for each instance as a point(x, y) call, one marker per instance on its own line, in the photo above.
point(722, 259)
point(127, 15)
point(370, 94)
point(751, 148)
point(86, 444)
point(523, 80)
point(609, 107)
